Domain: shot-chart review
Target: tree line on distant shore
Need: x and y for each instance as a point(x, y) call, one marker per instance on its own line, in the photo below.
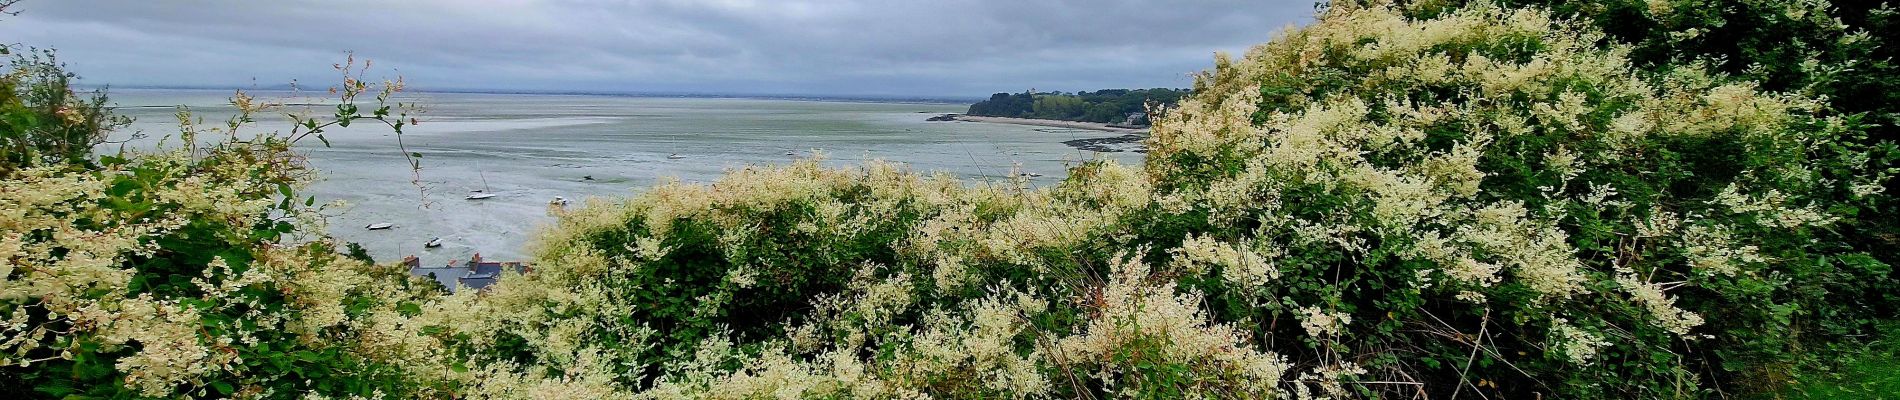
point(1106, 106)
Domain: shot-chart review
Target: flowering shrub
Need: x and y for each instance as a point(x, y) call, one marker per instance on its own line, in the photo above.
point(42, 120)
point(1481, 200)
point(1430, 200)
point(1492, 184)
point(185, 272)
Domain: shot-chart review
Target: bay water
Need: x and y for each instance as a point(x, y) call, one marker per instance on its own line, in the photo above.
point(527, 149)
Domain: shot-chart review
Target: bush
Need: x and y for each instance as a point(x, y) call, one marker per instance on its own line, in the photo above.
point(185, 272)
point(42, 120)
point(1491, 184)
point(1483, 200)
point(1840, 53)
point(1424, 200)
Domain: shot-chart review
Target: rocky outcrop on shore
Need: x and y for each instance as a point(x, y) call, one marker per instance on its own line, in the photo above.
point(1129, 142)
point(1117, 144)
point(1094, 126)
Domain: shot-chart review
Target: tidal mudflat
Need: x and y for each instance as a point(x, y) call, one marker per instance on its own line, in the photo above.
point(529, 149)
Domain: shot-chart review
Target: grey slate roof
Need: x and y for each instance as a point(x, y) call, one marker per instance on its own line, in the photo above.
point(474, 274)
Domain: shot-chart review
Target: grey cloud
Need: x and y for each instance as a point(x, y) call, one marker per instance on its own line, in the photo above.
point(850, 47)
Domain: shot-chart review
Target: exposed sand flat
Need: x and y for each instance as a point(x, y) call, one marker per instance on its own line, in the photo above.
point(527, 148)
point(1050, 123)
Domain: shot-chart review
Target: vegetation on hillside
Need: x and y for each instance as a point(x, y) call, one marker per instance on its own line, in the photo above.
point(1428, 199)
point(1106, 106)
point(192, 271)
point(1843, 53)
point(43, 121)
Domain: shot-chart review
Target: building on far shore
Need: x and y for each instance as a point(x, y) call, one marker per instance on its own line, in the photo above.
point(475, 274)
point(1137, 118)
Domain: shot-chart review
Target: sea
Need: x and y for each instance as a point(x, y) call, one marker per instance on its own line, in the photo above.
point(528, 149)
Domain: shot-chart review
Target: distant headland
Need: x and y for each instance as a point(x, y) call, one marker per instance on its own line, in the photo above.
point(1125, 111)
point(1121, 108)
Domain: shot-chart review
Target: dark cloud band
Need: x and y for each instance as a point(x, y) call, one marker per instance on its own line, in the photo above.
point(848, 47)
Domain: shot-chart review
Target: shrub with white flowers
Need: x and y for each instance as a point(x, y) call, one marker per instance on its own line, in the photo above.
point(1376, 203)
point(1437, 198)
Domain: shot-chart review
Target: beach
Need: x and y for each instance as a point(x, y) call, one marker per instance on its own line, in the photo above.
point(528, 149)
point(1095, 126)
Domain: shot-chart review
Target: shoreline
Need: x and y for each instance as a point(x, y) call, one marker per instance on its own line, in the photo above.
point(1094, 126)
point(1130, 139)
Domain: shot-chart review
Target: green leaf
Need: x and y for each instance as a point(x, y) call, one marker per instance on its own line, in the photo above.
point(223, 387)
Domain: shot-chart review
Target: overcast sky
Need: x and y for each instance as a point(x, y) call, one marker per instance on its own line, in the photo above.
point(961, 48)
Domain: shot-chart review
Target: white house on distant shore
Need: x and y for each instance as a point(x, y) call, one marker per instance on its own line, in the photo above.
point(475, 274)
point(1136, 118)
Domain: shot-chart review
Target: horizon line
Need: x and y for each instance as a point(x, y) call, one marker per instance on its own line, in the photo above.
point(571, 92)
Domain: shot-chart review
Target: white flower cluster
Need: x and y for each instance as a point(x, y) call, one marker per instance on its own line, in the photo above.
point(1578, 346)
point(1132, 312)
point(1320, 323)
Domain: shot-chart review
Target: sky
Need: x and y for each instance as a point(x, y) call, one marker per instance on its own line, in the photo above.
point(940, 48)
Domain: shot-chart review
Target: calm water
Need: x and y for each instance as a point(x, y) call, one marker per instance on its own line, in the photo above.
point(527, 149)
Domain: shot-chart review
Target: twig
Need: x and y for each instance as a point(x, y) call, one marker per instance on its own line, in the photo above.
point(1484, 325)
point(1494, 355)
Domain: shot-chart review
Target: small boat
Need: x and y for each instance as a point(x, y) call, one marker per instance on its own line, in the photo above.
point(379, 226)
point(433, 243)
point(1032, 175)
point(483, 192)
point(675, 156)
point(791, 153)
point(558, 201)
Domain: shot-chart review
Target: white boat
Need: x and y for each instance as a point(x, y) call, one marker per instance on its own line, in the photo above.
point(379, 226)
point(675, 156)
point(433, 243)
point(483, 192)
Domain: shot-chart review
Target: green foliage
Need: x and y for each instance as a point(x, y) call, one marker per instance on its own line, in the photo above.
point(1439, 199)
point(177, 273)
point(1106, 106)
point(1480, 200)
point(1842, 52)
point(1868, 370)
point(42, 120)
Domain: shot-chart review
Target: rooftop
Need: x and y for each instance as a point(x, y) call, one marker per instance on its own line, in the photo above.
point(476, 273)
